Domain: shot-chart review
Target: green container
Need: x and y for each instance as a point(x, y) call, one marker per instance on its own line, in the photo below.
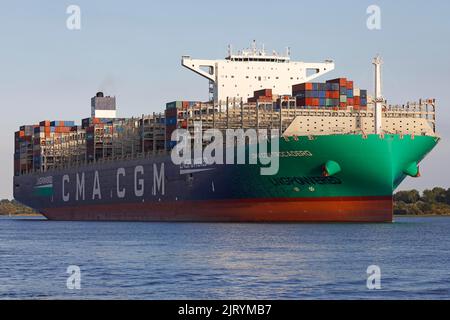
point(343, 98)
point(174, 105)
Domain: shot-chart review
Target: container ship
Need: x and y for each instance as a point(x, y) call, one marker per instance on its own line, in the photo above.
point(341, 152)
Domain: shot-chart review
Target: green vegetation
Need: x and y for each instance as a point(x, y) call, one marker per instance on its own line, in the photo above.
point(430, 202)
point(12, 207)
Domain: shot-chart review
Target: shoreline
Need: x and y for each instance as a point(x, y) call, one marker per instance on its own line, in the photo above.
point(420, 215)
point(22, 215)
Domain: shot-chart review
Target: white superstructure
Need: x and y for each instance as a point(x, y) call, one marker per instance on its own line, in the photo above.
point(239, 75)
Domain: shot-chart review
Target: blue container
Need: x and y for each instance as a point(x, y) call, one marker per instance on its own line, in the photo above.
point(322, 94)
point(343, 91)
point(171, 121)
point(315, 86)
point(322, 102)
point(323, 86)
point(171, 144)
point(309, 94)
point(349, 93)
point(363, 93)
point(334, 86)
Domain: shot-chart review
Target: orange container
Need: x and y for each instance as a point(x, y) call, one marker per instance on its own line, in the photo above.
point(334, 95)
point(349, 84)
point(263, 93)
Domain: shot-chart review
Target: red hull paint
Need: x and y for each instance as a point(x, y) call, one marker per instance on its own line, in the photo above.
point(347, 209)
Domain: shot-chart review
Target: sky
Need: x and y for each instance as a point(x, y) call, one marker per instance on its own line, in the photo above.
point(133, 49)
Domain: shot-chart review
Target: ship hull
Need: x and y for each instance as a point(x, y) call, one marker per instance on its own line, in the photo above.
point(154, 189)
point(367, 209)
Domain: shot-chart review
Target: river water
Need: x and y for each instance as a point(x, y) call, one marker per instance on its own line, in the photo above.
point(121, 260)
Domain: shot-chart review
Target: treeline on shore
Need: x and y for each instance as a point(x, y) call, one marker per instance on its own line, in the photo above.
point(412, 202)
point(12, 207)
point(429, 202)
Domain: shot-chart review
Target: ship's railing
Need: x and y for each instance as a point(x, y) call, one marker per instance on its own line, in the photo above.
point(106, 160)
point(233, 114)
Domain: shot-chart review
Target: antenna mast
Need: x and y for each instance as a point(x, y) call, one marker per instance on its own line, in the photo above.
point(377, 62)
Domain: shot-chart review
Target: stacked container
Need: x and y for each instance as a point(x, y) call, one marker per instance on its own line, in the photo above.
point(91, 121)
point(335, 94)
point(260, 96)
point(174, 115)
point(99, 140)
point(23, 148)
point(316, 95)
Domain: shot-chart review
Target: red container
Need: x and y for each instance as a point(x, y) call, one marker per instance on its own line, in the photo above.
point(304, 101)
point(185, 104)
point(343, 105)
point(265, 99)
point(301, 87)
point(357, 100)
point(263, 93)
point(334, 95)
point(350, 101)
point(349, 84)
point(171, 113)
point(342, 81)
